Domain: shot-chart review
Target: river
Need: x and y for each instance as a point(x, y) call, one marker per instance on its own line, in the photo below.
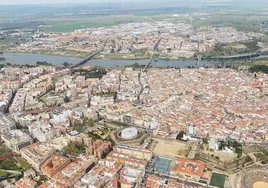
point(28, 58)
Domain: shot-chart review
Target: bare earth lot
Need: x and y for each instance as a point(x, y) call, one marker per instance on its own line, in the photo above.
point(171, 148)
point(260, 184)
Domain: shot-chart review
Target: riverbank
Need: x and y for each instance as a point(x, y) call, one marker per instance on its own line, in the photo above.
point(30, 58)
point(79, 54)
point(83, 55)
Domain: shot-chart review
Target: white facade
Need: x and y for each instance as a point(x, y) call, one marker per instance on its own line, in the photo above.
point(192, 130)
point(60, 117)
point(6, 123)
point(16, 139)
point(41, 131)
point(213, 144)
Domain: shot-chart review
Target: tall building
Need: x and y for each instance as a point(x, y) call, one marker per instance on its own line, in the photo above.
point(191, 129)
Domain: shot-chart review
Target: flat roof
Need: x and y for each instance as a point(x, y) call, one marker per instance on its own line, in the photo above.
point(188, 166)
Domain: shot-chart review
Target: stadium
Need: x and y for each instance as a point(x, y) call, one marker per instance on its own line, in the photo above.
point(255, 179)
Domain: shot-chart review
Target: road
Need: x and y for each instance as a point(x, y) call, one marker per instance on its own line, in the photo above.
point(139, 76)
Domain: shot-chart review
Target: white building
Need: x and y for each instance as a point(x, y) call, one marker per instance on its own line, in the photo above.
point(42, 131)
point(6, 123)
point(16, 139)
point(61, 117)
point(191, 130)
point(101, 101)
point(213, 144)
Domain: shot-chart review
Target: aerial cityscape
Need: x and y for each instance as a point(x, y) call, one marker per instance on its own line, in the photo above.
point(124, 94)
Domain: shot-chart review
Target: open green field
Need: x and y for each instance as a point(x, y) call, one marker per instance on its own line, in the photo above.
point(4, 42)
point(104, 21)
point(240, 21)
point(217, 180)
point(243, 21)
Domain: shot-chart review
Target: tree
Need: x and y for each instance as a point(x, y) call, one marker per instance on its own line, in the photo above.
point(180, 135)
point(205, 140)
point(259, 68)
point(88, 122)
point(66, 64)
point(67, 99)
point(75, 147)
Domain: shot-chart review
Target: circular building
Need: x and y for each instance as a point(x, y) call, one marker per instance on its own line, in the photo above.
point(129, 133)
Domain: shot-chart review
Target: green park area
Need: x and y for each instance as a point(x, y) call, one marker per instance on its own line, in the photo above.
point(217, 180)
point(75, 147)
point(83, 127)
point(14, 164)
point(23, 164)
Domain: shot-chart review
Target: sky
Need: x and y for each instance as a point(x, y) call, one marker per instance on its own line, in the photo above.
point(12, 2)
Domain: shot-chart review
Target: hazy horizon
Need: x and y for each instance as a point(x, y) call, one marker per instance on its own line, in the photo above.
point(36, 2)
point(164, 2)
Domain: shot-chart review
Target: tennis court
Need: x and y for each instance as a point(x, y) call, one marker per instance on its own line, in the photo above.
point(162, 164)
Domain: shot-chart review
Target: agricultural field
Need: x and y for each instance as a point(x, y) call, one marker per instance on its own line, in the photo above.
point(62, 25)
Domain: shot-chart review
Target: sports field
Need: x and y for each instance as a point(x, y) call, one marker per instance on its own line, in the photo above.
point(217, 180)
point(162, 164)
